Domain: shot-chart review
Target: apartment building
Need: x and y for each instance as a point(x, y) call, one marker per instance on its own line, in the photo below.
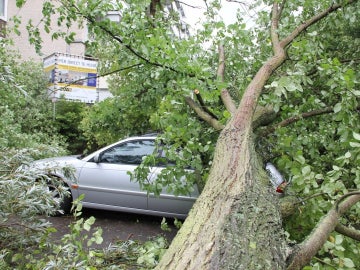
point(32, 10)
point(71, 73)
point(67, 59)
point(3, 16)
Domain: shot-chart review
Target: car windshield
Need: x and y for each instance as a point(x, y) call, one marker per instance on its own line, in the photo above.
point(129, 152)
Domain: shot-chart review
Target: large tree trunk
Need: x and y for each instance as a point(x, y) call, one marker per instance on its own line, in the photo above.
point(235, 223)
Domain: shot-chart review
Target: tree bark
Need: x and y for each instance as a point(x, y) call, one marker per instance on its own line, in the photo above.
point(237, 187)
point(236, 221)
point(310, 246)
point(223, 230)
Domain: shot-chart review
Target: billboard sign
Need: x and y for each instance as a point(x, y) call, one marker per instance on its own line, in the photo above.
point(72, 76)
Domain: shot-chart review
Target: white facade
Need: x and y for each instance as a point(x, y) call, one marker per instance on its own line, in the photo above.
point(32, 10)
point(3, 16)
point(3, 10)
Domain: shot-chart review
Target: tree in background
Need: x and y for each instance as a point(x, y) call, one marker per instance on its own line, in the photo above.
point(26, 133)
point(26, 115)
point(289, 93)
point(68, 117)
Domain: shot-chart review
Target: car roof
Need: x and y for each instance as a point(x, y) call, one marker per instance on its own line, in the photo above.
point(148, 135)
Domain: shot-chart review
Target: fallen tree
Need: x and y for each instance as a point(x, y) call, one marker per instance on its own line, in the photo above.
point(236, 222)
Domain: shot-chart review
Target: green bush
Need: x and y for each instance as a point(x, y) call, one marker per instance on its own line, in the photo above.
point(25, 232)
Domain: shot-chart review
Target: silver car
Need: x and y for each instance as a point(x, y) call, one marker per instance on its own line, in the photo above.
point(104, 180)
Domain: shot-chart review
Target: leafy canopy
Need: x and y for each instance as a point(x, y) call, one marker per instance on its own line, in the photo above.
point(154, 71)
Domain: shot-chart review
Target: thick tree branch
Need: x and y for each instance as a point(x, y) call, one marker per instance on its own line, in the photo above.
point(221, 68)
point(275, 18)
point(202, 103)
point(281, 8)
point(321, 232)
point(263, 116)
point(244, 114)
point(248, 102)
point(152, 7)
point(349, 232)
point(225, 95)
point(204, 115)
point(228, 101)
point(93, 21)
point(301, 28)
point(293, 119)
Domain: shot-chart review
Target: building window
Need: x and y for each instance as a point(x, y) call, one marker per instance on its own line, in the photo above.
point(3, 9)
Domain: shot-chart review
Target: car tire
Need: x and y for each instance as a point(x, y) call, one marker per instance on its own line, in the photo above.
point(66, 202)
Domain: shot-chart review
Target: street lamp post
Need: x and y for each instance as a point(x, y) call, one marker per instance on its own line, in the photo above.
point(54, 100)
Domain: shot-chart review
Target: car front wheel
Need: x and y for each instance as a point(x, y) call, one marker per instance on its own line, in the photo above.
point(65, 200)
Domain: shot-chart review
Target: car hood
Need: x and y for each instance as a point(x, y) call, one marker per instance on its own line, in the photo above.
point(56, 165)
point(57, 161)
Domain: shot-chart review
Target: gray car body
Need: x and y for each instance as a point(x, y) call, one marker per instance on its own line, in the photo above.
point(107, 185)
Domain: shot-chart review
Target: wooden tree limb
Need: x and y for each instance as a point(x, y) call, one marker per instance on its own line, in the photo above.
point(93, 20)
point(306, 250)
point(245, 111)
point(225, 95)
point(202, 103)
point(301, 28)
point(252, 92)
point(202, 110)
point(263, 116)
point(221, 68)
point(204, 115)
point(207, 238)
point(275, 18)
point(349, 232)
point(296, 118)
point(228, 101)
point(152, 7)
point(281, 8)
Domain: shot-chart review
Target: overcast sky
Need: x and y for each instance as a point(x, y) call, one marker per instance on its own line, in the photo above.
point(194, 10)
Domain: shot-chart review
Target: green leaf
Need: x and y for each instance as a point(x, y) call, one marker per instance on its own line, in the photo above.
point(300, 159)
point(20, 3)
point(348, 263)
point(338, 239)
point(337, 107)
point(355, 144)
point(164, 226)
point(306, 170)
point(356, 136)
point(87, 224)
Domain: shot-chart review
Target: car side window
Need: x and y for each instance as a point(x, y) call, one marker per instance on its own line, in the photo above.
point(128, 153)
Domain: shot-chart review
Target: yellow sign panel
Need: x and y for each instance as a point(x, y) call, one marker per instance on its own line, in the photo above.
point(74, 77)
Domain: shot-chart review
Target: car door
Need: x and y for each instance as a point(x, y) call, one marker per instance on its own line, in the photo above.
point(107, 182)
point(169, 204)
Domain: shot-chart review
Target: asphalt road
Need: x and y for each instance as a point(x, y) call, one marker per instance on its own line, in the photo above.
point(117, 226)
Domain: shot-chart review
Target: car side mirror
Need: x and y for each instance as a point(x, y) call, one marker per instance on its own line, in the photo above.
point(97, 158)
